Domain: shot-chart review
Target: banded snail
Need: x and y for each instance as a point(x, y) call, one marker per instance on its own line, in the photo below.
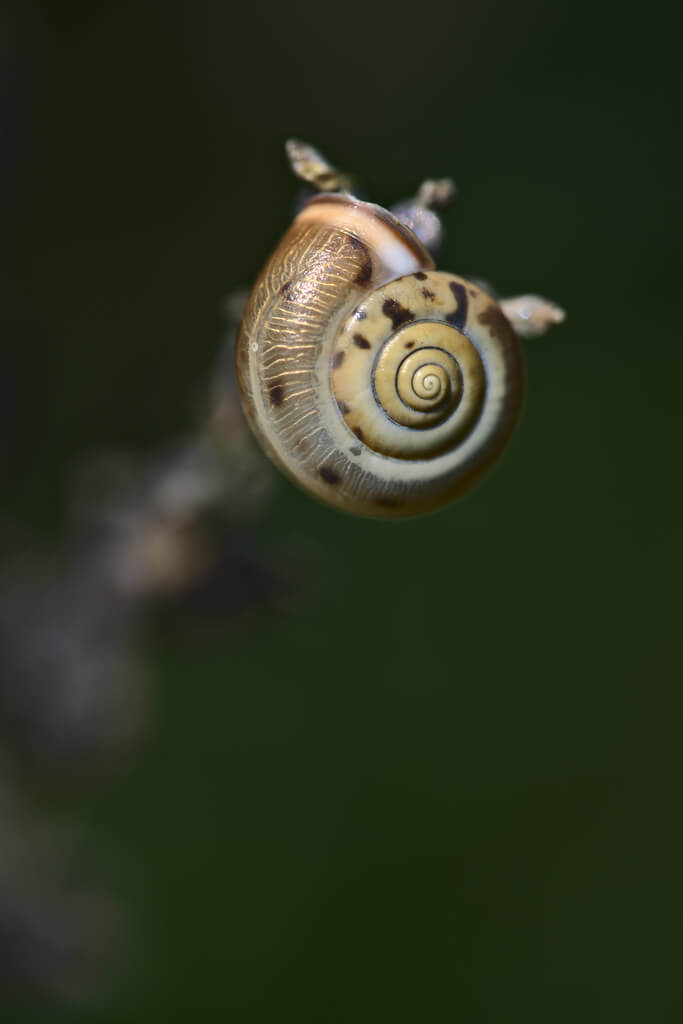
point(378, 384)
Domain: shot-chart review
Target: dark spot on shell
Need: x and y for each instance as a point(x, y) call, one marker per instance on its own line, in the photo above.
point(343, 407)
point(276, 390)
point(358, 432)
point(409, 344)
point(360, 341)
point(286, 289)
point(459, 317)
point(397, 313)
point(364, 275)
point(361, 314)
point(427, 294)
point(473, 293)
point(329, 475)
point(420, 276)
point(338, 359)
point(387, 502)
point(496, 321)
point(356, 449)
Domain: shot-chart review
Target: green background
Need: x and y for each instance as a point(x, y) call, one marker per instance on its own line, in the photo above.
point(445, 783)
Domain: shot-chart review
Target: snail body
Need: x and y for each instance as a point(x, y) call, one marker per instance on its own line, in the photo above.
point(378, 384)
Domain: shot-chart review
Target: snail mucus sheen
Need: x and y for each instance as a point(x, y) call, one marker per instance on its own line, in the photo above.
point(378, 384)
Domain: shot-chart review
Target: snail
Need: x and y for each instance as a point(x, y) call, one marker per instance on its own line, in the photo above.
point(380, 385)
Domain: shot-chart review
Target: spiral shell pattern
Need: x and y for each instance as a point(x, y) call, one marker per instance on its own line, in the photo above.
point(415, 365)
point(380, 385)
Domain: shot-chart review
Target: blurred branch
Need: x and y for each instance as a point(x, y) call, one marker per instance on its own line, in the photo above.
point(178, 523)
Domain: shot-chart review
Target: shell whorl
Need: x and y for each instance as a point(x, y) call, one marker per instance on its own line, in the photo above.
point(380, 385)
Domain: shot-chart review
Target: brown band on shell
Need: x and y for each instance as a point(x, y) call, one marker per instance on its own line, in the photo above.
point(496, 321)
point(378, 213)
point(459, 318)
point(364, 275)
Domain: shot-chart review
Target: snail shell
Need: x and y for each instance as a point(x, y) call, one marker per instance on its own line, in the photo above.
point(378, 384)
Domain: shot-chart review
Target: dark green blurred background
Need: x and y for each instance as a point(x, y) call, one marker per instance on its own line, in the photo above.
point(447, 786)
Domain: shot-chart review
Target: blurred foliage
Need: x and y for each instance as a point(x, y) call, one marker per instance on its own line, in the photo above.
point(446, 788)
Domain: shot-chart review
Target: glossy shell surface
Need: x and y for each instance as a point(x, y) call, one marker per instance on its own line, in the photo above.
point(378, 384)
